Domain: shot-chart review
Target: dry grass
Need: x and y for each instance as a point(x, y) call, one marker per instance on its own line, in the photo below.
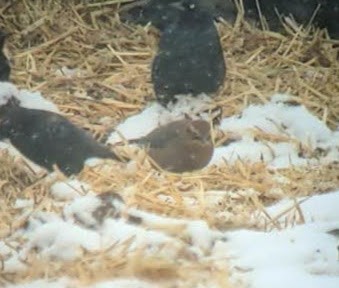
point(113, 81)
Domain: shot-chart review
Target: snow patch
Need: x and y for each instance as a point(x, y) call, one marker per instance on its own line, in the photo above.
point(28, 99)
point(69, 189)
point(156, 115)
point(287, 121)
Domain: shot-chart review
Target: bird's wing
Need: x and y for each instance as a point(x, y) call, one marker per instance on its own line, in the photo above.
point(160, 137)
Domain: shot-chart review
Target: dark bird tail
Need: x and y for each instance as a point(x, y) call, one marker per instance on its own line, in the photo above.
point(3, 37)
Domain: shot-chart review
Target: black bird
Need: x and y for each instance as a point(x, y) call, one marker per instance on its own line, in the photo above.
point(48, 139)
point(5, 69)
point(161, 13)
point(321, 13)
point(190, 57)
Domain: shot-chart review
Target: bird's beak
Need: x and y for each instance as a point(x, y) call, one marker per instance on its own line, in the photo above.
point(207, 139)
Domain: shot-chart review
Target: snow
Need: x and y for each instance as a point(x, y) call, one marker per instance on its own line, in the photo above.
point(151, 242)
point(81, 209)
point(289, 277)
point(62, 241)
point(303, 247)
point(14, 265)
point(34, 100)
point(69, 189)
point(23, 203)
point(276, 117)
point(66, 238)
point(196, 231)
point(7, 90)
point(93, 161)
point(67, 283)
point(318, 208)
point(39, 218)
point(246, 150)
point(200, 235)
point(114, 229)
point(138, 125)
point(279, 118)
point(4, 146)
point(155, 115)
point(10, 258)
point(45, 283)
point(124, 283)
point(307, 253)
point(301, 256)
point(28, 99)
point(4, 249)
point(295, 255)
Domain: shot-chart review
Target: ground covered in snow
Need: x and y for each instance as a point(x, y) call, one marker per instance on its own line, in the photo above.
point(264, 213)
point(295, 240)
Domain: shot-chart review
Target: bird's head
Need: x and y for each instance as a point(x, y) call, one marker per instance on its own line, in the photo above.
point(199, 130)
point(11, 103)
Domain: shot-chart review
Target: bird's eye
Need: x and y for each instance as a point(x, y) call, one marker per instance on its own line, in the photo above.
point(196, 136)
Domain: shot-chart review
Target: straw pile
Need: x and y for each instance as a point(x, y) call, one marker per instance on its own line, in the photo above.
point(112, 80)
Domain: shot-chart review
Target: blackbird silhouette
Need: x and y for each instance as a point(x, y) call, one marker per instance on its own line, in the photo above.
point(180, 146)
point(48, 139)
point(161, 13)
point(5, 68)
point(321, 13)
point(190, 57)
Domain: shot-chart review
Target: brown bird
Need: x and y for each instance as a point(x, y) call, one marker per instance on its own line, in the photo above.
point(180, 146)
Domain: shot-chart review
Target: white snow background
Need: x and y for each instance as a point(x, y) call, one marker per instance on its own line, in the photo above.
point(305, 255)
